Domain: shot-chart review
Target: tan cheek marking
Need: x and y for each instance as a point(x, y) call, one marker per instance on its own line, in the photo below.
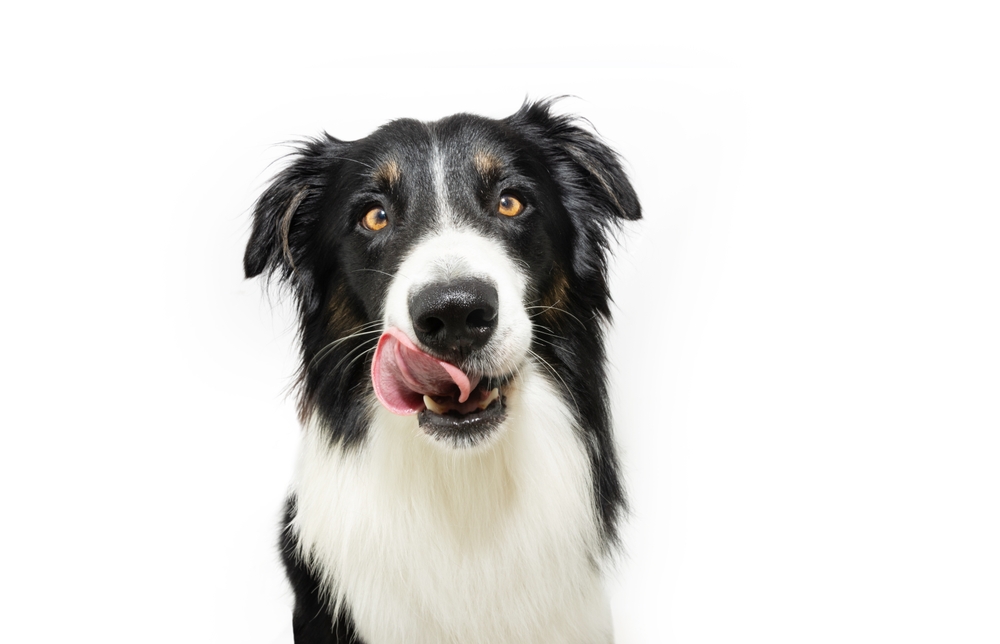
point(343, 319)
point(554, 299)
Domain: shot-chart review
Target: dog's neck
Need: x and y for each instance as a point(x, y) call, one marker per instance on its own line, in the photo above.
point(498, 542)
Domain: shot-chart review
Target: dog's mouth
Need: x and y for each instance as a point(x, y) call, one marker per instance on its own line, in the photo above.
point(448, 402)
point(445, 417)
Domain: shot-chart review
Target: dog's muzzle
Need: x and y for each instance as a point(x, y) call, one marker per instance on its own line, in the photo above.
point(452, 320)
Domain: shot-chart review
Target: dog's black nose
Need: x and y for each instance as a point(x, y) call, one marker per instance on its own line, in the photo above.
point(454, 318)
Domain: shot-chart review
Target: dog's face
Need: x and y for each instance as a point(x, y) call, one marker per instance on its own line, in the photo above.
point(469, 246)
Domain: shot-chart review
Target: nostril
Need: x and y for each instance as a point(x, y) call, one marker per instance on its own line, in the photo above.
point(481, 319)
point(430, 325)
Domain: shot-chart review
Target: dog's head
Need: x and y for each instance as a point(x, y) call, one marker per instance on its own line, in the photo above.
point(431, 261)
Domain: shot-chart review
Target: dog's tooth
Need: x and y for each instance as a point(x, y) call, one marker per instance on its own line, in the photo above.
point(494, 394)
point(434, 406)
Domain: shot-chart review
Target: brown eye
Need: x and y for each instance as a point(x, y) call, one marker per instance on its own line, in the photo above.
point(510, 206)
point(375, 219)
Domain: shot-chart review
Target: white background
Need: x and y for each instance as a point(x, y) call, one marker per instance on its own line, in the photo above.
point(806, 352)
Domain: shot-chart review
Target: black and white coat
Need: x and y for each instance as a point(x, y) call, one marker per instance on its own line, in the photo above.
point(397, 534)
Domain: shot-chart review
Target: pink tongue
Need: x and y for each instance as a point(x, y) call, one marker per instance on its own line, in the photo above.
point(402, 374)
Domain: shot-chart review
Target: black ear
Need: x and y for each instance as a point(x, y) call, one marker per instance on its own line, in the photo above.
point(582, 162)
point(283, 213)
point(593, 188)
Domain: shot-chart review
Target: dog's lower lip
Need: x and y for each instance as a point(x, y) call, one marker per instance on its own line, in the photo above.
point(472, 425)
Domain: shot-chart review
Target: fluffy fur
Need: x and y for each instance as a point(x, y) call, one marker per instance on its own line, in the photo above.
point(394, 533)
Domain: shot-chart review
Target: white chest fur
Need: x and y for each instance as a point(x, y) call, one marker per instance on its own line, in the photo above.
point(430, 545)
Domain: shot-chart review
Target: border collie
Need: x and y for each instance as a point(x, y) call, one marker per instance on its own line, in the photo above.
point(457, 481)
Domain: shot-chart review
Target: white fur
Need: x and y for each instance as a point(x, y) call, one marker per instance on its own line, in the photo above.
point(427, 543)
point(430, 545)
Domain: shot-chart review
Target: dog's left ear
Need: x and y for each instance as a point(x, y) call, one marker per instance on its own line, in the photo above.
point(583, 163)
point(594, 190)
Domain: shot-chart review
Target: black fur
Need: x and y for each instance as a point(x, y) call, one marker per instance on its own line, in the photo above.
point(311, 618)
point(306, 234)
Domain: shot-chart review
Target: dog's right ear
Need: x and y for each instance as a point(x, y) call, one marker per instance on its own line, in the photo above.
point(284, 212)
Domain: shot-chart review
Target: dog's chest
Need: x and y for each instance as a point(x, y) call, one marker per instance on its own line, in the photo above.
point(428, 545)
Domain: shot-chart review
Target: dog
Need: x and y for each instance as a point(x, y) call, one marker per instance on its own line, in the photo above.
point(458, 480)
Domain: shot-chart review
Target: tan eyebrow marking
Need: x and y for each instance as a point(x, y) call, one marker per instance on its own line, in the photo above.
point(486, 164)
point(388, 172)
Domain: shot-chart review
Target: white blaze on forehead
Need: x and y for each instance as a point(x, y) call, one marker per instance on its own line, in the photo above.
point(440, 188)
point(452, 254)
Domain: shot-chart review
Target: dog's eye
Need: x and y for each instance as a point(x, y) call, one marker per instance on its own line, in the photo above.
point(375, 219)
point(510, 206)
